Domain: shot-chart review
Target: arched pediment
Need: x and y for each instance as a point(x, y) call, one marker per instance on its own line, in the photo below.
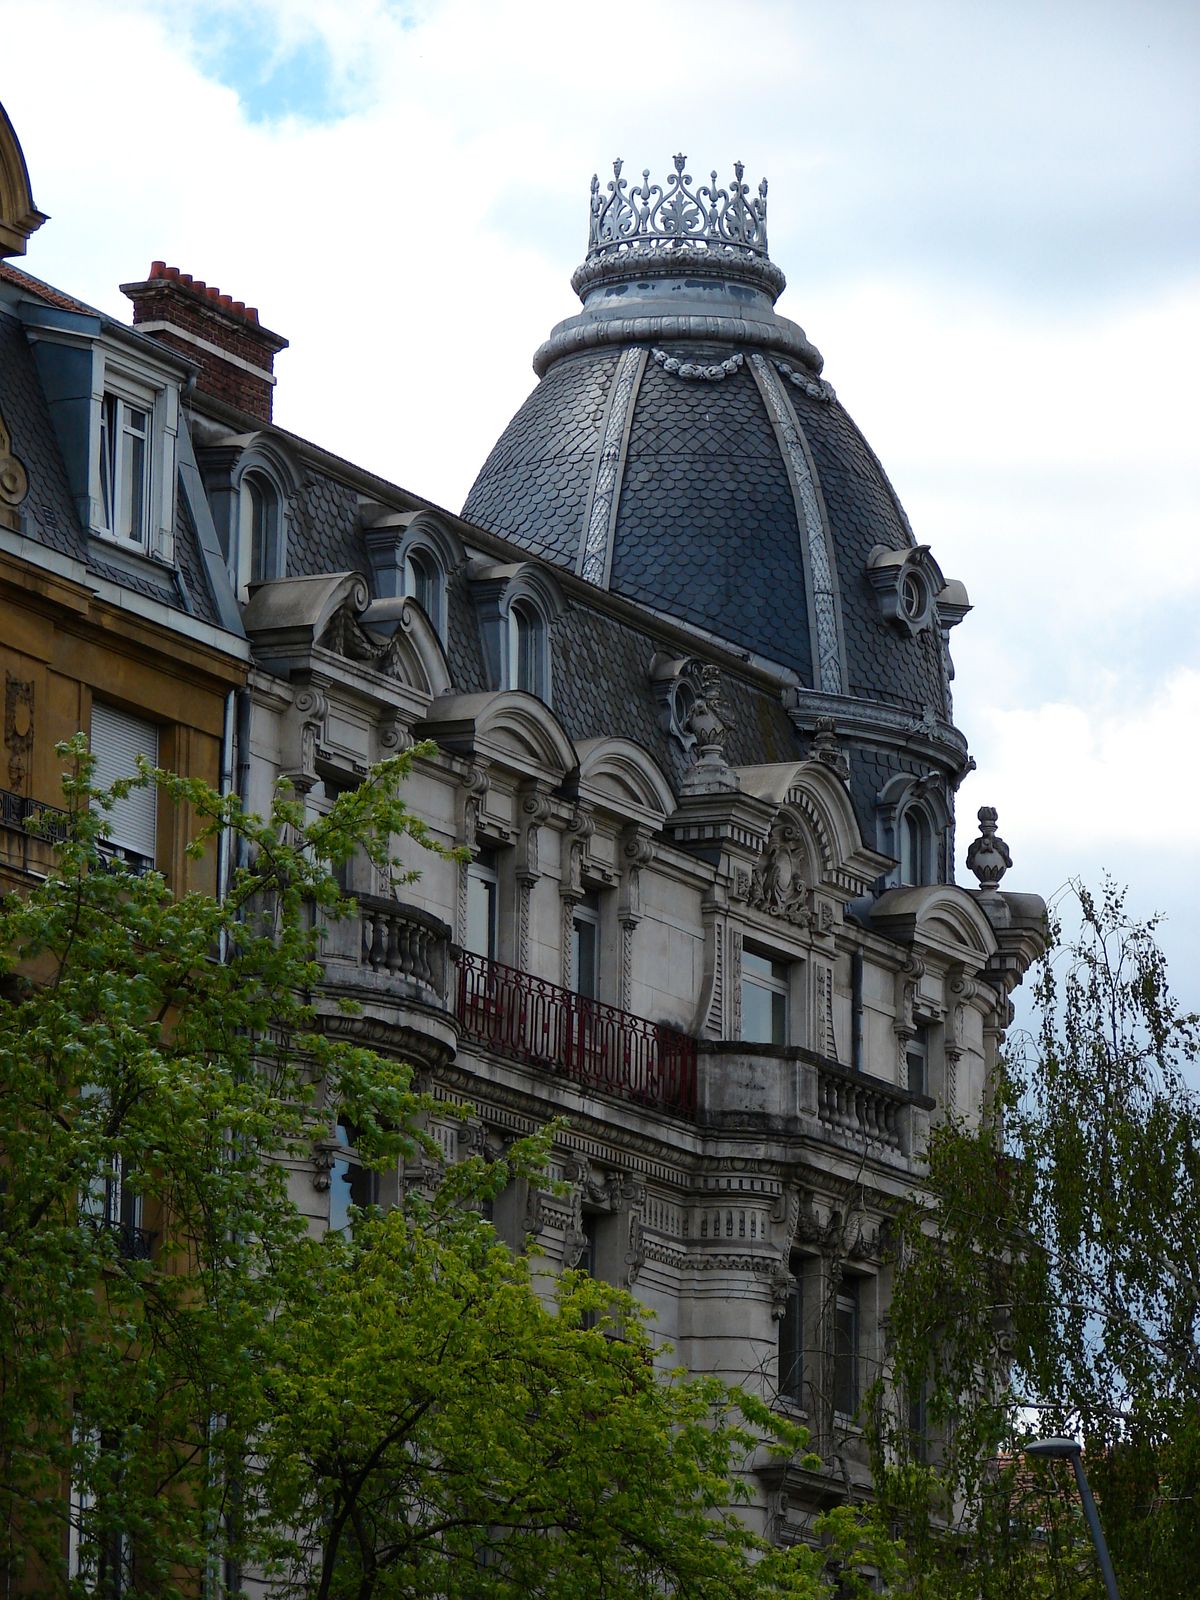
point(512, 729)
point(619, 776)
point(415, 652)
point(820, 803)
point(302, 608)
point(937, 916)
point(19, 217)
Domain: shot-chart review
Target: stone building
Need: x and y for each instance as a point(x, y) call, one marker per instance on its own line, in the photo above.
point(686, 669)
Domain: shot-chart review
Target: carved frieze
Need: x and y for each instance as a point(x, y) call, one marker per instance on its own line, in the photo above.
point(18, 729)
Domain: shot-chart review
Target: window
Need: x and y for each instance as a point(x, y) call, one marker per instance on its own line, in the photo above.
point(125, 449)
point(845, 1348)
point(483, 895)
point(110, 1201)
point(791, 1340)
point(916, 847)
point(916, 1056)
point(260, 532)
point(585, 947)
point(424, 583)
point(764, 998)
point(102, 1564)
point(350, 1183)
point(527, 650)
point(131, 826)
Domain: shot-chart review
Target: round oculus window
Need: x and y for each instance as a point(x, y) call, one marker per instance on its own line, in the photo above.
point(913, 597)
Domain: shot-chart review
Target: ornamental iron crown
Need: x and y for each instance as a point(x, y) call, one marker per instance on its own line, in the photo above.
point(647, 217)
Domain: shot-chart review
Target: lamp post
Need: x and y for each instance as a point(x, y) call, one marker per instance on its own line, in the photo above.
point(1072, 1450)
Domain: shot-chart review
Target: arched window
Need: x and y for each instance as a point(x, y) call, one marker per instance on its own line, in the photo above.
point(260, 552)
point(528, 655)
point(916, 847)
point(425, 582)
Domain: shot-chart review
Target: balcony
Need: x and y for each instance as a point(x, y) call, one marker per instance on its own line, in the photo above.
point(595, 1046)
point(793, 1090)
point(28, 833)
point(391, 962)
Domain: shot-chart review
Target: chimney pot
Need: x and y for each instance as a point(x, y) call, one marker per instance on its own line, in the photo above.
point(158, 269)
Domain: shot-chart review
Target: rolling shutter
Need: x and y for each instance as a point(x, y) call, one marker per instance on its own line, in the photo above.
point(117, 741)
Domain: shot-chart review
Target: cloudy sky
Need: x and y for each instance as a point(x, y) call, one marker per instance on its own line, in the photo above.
point(987, 213)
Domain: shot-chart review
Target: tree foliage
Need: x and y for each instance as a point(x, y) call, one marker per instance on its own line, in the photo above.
point(1052, 1287)
point(192, 1386)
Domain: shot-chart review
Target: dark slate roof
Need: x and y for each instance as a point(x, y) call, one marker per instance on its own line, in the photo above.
point(50, 516)
point(49, 512)
point(706, 523)
point(534, 486)
point(706, 526)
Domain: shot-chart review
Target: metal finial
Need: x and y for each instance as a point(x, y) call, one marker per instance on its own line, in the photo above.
point(651, 217)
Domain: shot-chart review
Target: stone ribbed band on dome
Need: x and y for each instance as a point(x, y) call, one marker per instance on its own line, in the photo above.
point(595, 556)
point(827, 644)
point(649, 217)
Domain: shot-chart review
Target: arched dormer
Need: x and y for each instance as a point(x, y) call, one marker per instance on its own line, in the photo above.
point(413, 554)
point(518, 604)
point(512, 730)
point(820, 801)
point(618, 776)
point(250, 481)
point(19, 217)
point(913, 826)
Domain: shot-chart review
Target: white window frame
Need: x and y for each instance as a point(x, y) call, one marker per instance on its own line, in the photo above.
point(777, 983)
point(120, 389)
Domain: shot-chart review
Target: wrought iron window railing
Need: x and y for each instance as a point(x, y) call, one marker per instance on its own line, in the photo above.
point(530, 1020)
point(28, 831)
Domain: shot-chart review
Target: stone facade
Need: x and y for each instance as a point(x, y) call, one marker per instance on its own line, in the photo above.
point(693, 727)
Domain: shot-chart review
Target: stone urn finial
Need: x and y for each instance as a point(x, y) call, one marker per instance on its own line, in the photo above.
point(709, 772)
point(987, 856)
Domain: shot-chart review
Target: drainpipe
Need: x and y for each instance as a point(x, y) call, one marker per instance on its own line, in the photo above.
point(856, 1010)
point(245, 706)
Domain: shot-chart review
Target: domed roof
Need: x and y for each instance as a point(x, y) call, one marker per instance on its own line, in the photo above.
point(683, 450)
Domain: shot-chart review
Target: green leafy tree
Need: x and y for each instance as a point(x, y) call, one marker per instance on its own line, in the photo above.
point(192, 1387)
point(1051, 1285)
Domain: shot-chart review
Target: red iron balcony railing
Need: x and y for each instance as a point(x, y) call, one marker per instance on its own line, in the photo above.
point(530, 1020)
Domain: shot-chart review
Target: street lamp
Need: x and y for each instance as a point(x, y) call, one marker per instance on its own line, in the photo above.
point(1072, 1450)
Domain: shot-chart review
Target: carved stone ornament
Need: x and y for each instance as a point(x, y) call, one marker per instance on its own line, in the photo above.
point(827, 751)
point(777, 884)
point(987, 856)
point(815, 388)
point(708, 723)
point(18, 729)
point(14, 480)
point(712, 372)
point(907, 584)
point(310, 707)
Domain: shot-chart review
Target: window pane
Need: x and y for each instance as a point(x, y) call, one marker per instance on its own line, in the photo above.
point(108, 444)
point(845, 1351)
point(765, 986)
point(791, 1347)
point(481, 910)
point(585, 955)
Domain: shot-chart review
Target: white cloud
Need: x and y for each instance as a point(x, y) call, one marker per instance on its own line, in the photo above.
point(988, 225)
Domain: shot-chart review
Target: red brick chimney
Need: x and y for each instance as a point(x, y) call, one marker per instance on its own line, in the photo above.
point(223, 336)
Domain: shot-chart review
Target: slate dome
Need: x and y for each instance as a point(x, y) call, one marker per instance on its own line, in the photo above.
point(683, 450)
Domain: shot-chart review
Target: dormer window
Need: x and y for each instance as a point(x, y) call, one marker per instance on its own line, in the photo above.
point(134, 466)
point(125, 469)
point(425, 582)
point(916, 847)
point(260, 551)
point(517, 602)
point(528, 653)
